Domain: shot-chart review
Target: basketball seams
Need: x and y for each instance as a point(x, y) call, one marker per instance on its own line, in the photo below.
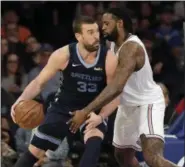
point(28, 111)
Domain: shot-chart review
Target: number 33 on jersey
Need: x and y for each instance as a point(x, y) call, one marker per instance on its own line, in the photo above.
point(82, 82)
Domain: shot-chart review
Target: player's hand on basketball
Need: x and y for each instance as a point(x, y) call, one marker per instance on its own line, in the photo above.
point(93, 121)
point(79, 117)
point(13, 110)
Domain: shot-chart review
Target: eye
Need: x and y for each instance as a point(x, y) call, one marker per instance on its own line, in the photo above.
point(106, 23)
point(90, 32)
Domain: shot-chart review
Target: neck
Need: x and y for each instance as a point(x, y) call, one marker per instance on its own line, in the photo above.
point(83, 52)
point(121, 38)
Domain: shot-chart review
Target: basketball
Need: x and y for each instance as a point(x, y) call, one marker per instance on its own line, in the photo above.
point(29, 114)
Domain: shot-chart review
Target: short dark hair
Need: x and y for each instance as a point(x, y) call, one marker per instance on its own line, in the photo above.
point(77, 23)
point(123, 14)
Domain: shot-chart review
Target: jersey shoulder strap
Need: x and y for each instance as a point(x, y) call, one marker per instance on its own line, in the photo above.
point(72, 48)
point(103, 53)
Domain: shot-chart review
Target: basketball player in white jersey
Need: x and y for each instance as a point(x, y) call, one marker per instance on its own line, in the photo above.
point(140, 115)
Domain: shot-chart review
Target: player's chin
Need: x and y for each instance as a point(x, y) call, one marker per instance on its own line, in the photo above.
point(96, 47)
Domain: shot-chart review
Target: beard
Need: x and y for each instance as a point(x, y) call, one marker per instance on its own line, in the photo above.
point(112, 36)
point(91, 48)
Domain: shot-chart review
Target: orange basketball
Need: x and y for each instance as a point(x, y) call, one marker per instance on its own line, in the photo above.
point(29, 114)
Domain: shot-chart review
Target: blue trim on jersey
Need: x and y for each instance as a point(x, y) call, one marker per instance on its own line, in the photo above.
point(83, 62)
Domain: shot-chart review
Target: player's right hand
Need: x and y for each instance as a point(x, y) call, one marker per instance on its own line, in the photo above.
point(13, 110)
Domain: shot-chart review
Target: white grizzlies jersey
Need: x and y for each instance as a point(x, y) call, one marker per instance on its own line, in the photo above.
point(140, 88)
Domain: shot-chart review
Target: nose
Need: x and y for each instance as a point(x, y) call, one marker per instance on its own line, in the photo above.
point(103, 27)
point(97, 36)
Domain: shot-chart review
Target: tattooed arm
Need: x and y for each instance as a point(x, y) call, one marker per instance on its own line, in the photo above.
point(131, 58)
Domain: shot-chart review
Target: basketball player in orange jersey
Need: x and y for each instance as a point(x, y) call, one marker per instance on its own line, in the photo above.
point(87, 67)
point(140, 115)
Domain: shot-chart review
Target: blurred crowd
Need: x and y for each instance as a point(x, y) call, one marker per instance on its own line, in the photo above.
point(31, 31)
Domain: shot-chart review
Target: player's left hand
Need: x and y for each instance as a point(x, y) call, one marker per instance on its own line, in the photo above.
point(79, 117)
point(93, 121)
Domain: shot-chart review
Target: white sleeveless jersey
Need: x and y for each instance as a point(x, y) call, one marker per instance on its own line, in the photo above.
point(140, 88)
point(112, 46)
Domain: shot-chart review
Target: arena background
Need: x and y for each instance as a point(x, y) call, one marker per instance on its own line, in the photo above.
point(30, 31)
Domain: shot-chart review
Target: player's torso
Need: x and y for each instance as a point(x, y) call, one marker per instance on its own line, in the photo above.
point(82, 82)
point(140, 88)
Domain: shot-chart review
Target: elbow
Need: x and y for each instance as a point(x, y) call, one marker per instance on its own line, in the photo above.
point(119, 89)
point(116, 89)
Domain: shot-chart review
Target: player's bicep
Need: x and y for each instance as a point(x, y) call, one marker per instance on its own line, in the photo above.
point(46, 74)
point(111, 65)
point(127, 60)
point(56, 62)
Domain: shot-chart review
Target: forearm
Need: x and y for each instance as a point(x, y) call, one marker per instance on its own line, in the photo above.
point(106, 96)
point(31, 91)
point(107, 110)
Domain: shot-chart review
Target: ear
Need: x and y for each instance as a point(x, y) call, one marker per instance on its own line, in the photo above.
point(78, 36)
point(120, 23)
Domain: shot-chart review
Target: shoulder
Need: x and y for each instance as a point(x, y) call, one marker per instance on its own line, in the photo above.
point(59, 58)
point(132, 56)
point(132, 47)
point(61, 53)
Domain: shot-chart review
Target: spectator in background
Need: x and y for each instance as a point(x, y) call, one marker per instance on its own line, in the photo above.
point(169, 111)
point(6, 102)
point(148, 40)
point(181, 106)
point(13, 78)
point(10, 17)
point(5, 130)
point(164, 64)
point(22, 140)
point(166, 29)
point(32, 45)
point(31, 56)
point(179, 10)
point(88, 9)
point(8, 155)
point(146, 18)
point(6, 133)
point(135, 24)
point(12, 36)
point(52, 85)
point(177, 51)
point(4, 47)
point(146, 12)
point(173, 72)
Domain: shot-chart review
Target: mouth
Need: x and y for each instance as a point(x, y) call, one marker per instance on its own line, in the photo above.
point(105, 34)
point(96, 43)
